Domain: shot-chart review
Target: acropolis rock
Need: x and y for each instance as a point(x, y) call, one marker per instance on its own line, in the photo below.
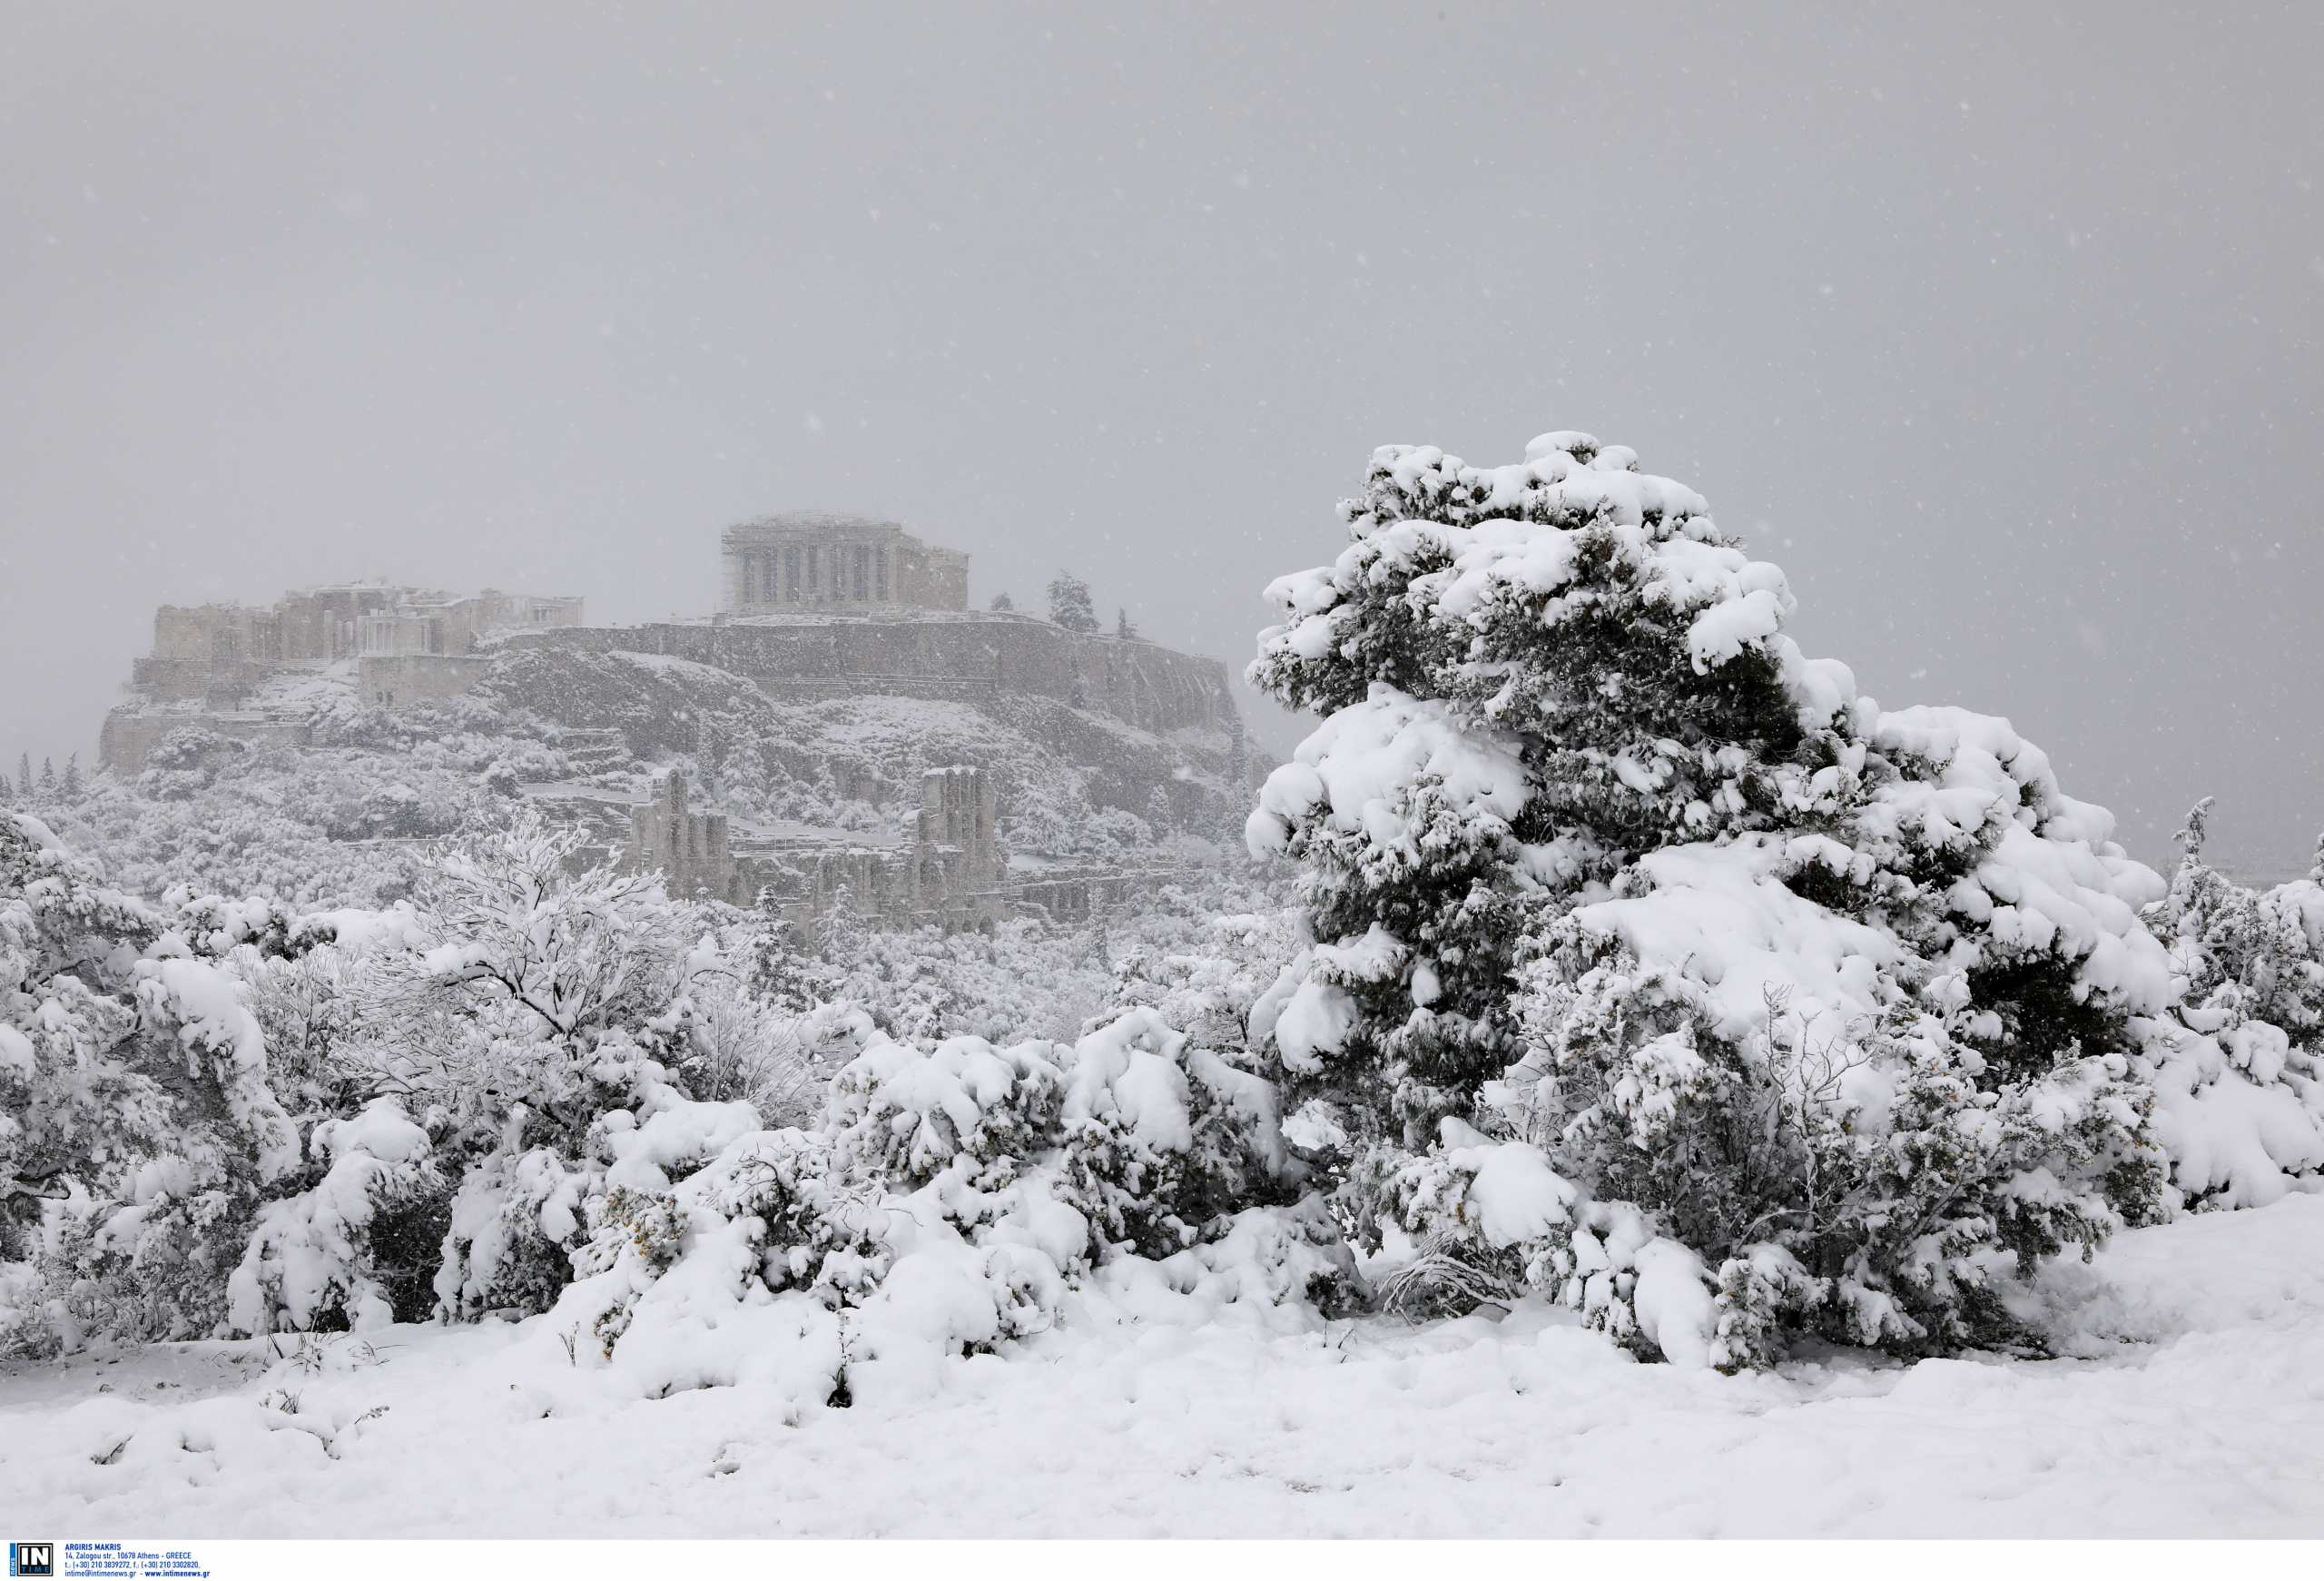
point(815, 608)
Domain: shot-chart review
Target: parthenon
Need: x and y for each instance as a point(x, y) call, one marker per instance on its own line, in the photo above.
point(804, 560)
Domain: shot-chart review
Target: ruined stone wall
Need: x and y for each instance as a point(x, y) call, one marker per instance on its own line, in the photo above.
point(300, 631)
point(688, 848)
point(398, 631)
point(459, 624)
point(130, 735)
point(187, 634)
point(1143, 684)
point(959, 809)
point(181, 681)
point(216, 655)
point(952, 872)
point(931, 579)
point(400, 680)
point(1077, 896)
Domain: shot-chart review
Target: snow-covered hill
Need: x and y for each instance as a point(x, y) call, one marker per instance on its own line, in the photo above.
point(320, 823)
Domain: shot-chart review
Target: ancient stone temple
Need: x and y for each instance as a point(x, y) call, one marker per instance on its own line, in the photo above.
point(801, 561)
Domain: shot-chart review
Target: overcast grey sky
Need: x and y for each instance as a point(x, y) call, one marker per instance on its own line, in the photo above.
point(1999, 330)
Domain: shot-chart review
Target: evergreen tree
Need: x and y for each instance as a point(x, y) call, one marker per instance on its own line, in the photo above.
point(24, 776)
point(47, 778)
point(1597, 860)
point(1069, 603)
point(1238, 778)
point(838, 932)
point(1002, 602)
point(2239, 1101)
point(784, 972)
point(71, 782)
point(1123, 629)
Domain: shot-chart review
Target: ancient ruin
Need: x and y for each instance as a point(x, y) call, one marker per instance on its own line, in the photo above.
point(408, 644)
point(873, 609)
point(813, 605)
point(947, 867)
point(801, 560)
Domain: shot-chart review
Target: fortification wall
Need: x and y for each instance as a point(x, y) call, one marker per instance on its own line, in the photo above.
point(1153, 687)
point(130, 733)
point(400, 680)
point(215, 653)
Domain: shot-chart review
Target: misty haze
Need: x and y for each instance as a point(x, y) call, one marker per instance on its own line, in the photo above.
point(1334, 772)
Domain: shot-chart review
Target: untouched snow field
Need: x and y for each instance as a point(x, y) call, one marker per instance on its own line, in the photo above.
point(2197, 1410)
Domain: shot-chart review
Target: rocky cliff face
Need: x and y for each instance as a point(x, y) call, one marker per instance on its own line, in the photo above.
point(1103, 755)
point(1141, 683)
point(858, 744)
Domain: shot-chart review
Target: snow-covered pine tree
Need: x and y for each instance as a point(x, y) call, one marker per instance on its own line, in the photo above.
point(837, 933)
point(784, 972)
point(1002, 602)
point(47, 779)
point(70, 784)
point(1238, 779)
point(2245, 952)
point(24, 777)
point(1823, 1015)
point(1123, 631)
point(1069, 603)
point(2239, 1091)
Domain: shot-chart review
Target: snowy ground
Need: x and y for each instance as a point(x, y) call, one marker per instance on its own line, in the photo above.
point(2202, 1412)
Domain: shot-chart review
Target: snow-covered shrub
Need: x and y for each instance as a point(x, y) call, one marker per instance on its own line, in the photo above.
point(1765, 973)
point(1152, 1139)
point(516, 1221)
point(1218, 987)
point(1868, 1154)
point(527, 1207)
point(340, 1254)
point(2239, 1076)
point(509, 933)
point(900, 1114)
point(734, 1042)
point(328, 1054)
point(1162, 1140)
point(138, 1125)
point(777, 1260)
point(949, 1201)
point(816, 1229)
point(554, 1004)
